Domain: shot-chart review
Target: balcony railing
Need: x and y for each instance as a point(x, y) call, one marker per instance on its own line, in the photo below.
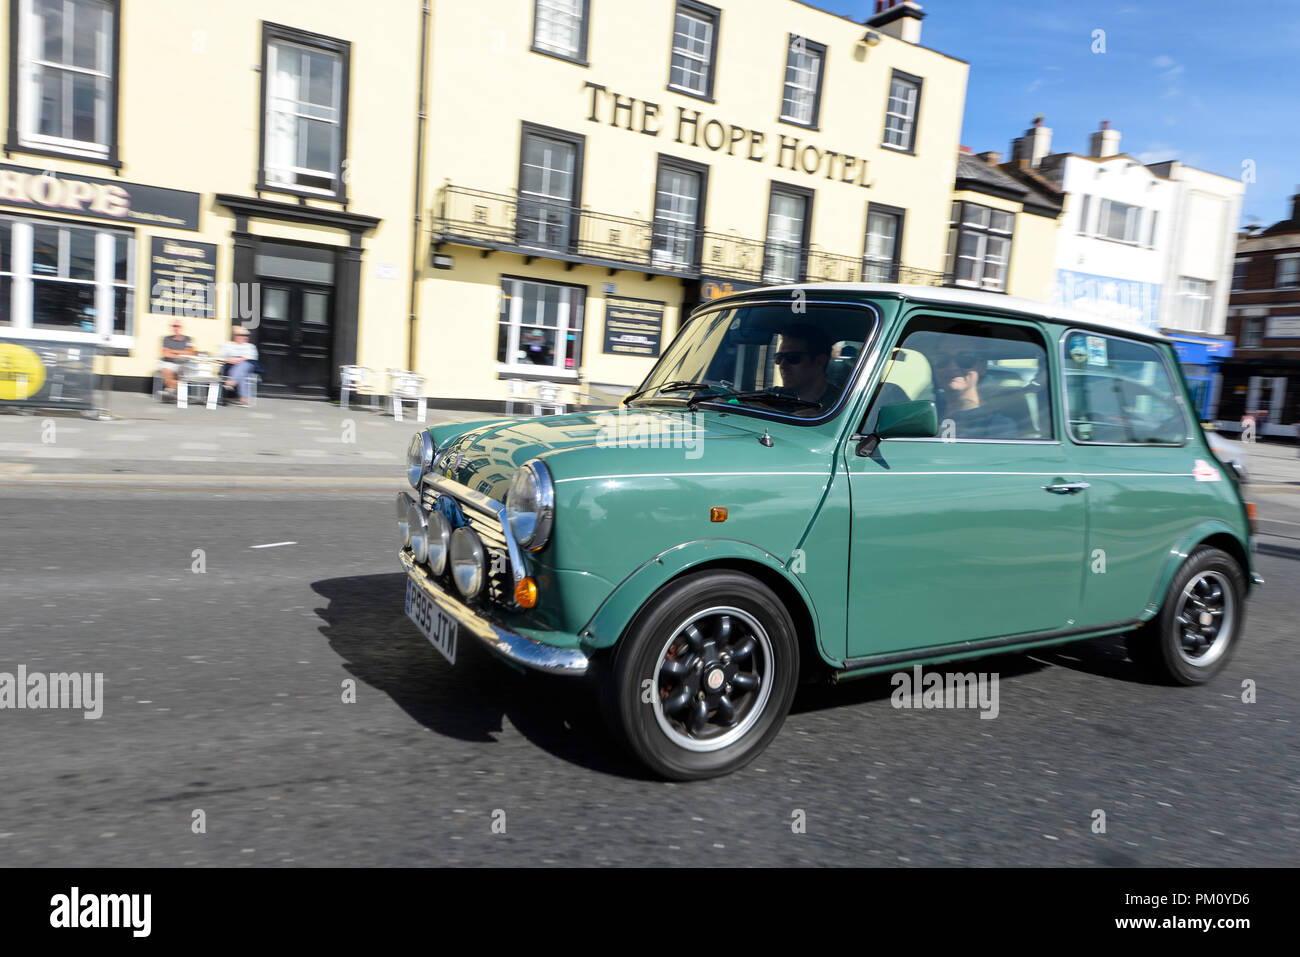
point(535, 226)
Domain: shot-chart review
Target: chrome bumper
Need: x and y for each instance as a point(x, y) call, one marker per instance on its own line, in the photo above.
point(513, 647)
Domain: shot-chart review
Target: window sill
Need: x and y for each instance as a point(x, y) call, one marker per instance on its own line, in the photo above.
point(301, 193)
point(790, 121)
point(115, 344)
point(905, 150)
point(530, 374)
point(111, 160)
point(706, 97)
point(575, 60)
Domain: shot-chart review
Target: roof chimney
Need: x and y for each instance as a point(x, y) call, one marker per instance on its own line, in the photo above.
point(1035, 145)
point(898, 18)
point(1105, 142)
point(992, 157)
point(1295, 206)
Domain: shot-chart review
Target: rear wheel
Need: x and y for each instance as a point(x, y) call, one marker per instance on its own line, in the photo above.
point(1197, 629)
point(705, 676)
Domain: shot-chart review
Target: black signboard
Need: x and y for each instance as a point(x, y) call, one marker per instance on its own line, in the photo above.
point(48, 375)
point(633, 327)
point(182, 277)
point(56, 192)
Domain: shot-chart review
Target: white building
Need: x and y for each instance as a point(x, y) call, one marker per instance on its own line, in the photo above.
point(1150, 244)
point(1201, 249)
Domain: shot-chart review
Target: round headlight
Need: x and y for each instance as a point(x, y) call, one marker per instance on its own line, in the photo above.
point(419, 526)
point(439, 539)
point(403, 526)
point(530, 505)
point(419, 456)
point(468, 562)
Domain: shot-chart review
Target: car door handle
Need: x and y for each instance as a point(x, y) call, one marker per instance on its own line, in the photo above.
point(1067, 488)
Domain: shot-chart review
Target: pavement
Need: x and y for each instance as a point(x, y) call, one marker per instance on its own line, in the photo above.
point(141, 441)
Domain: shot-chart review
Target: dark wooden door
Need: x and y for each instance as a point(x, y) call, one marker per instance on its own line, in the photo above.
point(294, 337)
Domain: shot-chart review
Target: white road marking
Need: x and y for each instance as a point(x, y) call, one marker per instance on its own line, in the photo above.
point(273, 545)
point(200, 446)
point(193, 458)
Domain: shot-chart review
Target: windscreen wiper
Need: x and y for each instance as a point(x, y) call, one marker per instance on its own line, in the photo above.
point(769, 396)
point(677, 385)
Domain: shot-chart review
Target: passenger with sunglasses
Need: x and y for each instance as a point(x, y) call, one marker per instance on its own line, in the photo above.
point(801, 357)
point(959, 373)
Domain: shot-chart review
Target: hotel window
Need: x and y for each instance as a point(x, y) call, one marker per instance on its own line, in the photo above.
point(695, 48)
point(880, 259)
point(65, 278)
point(550, 180)
point(1194, 298)
point(63, 70)
point(304, 112)
point(1288, 272)
point(540, 329)
point(560, 28)
point(679, 202)
point(786, 252)
point(1239, 269)
point(801, 98)
point(1250, 333)
point(901, 111)
point(979, 246)
point(1119, 221)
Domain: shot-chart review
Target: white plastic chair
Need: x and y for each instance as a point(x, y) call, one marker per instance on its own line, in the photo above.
point(358, 380)
point(407, 386)
point(548, 394)
point(518, 393)
point(198, 371)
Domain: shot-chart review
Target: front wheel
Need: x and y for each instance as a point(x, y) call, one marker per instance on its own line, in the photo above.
point(1199, 624)
point(703, 680)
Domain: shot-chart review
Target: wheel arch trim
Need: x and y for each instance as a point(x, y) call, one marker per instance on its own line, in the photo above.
point(618, 611)
point(1212, 532)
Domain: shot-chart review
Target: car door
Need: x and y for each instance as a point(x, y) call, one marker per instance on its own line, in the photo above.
point(1128, 432)
point(977, 533)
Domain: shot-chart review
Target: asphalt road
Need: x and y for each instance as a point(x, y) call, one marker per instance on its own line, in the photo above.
point(223, 693)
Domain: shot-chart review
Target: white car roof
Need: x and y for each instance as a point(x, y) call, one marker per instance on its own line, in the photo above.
point(984, 300)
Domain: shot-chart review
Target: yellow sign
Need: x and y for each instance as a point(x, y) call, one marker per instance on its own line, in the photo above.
point(22, 373)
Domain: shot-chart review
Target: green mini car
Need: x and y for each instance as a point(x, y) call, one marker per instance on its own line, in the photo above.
point(825, 481)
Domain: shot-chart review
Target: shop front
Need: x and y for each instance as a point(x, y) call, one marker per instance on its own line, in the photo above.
point(1200, 358)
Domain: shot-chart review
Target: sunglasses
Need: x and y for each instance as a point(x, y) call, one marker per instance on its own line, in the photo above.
point(962, 360)
point(789, 358)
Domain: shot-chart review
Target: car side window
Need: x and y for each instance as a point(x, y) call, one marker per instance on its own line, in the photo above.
point(987, 379)
point(1120, 392)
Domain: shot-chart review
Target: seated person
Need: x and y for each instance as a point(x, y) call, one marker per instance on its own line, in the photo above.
point(959, 374)
point(240, 357)
point(174, 348)
point(802, 356)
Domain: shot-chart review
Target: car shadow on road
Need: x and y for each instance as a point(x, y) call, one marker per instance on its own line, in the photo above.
point(469, 701)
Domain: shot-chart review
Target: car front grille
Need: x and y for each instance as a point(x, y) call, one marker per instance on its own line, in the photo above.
point(500, 581)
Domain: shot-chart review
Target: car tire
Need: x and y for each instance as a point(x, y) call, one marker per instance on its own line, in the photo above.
point(1199, 624)
point(702, 680)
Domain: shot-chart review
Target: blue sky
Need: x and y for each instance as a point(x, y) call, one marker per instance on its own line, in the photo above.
point(1213, 83)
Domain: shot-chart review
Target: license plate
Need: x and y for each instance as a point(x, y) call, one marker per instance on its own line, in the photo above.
point(433, 623)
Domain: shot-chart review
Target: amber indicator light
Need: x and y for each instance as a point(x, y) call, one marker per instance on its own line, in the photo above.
point(717, 514)
point(1250, 516)
point(526, 593)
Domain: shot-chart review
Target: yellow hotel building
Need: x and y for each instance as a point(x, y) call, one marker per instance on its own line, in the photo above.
point(598, 168)
point(191, 160)
point(492, 193)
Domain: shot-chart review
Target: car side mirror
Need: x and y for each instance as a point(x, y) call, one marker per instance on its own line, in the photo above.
point(902, 420)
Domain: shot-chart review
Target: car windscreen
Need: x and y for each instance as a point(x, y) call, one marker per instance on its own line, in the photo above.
point(787, 359)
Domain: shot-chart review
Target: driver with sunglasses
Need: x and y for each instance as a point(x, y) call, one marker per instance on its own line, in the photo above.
point(801, 358)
